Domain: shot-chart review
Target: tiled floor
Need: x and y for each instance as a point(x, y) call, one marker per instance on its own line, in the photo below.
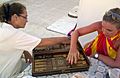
point(42, 13)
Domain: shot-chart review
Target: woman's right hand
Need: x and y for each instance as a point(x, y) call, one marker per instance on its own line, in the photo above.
point(73, 56)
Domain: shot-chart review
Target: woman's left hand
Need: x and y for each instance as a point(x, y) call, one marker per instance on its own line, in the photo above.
point(28, 57)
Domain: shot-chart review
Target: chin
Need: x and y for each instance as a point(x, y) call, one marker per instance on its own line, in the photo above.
point(23, 26)
point(107, 36)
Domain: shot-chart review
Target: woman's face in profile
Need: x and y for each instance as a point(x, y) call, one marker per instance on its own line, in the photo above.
point(109, 29)
point(19, 21)
point(22, 19)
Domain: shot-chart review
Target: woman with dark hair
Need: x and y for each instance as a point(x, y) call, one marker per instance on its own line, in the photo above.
point(13, 42)
point(106, 46)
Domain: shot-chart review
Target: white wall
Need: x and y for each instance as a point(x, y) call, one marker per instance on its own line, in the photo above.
point(93, 10)
point(2, 1)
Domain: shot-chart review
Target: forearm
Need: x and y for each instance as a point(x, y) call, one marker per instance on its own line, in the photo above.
point(53, 40)
point(109, 61)
point(74, 39)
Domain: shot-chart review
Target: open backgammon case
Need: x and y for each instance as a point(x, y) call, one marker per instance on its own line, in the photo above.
point(49, 60)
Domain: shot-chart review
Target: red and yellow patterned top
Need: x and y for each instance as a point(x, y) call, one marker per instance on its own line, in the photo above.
point(103, 45)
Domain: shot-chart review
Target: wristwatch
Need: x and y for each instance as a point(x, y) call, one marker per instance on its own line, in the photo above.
point(96, 55)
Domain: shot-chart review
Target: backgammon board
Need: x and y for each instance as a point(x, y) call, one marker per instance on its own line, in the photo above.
point(49, 60)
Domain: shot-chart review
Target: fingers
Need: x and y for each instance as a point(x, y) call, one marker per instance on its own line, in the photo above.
point(26, 60)
point(72, 58)
point(28, 57)
point(71, 61)
point(75, 60)
point(78, 56)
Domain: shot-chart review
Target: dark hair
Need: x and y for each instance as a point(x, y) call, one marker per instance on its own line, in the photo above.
point(7, 10)
point(113, 16)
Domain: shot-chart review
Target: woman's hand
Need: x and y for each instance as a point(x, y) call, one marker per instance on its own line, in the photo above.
point(28, 57)
point(73, 56)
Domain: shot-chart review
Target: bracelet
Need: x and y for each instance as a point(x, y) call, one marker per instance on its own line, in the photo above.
point(96, 56)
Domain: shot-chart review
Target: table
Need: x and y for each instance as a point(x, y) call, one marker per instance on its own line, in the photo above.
point(97, 70)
